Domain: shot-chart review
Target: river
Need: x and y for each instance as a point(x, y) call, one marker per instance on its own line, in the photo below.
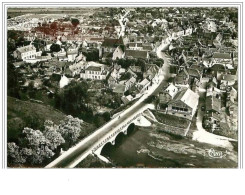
point(146, 147)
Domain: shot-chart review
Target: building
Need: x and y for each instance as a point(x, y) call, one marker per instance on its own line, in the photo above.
point(212, 115)
point(94, 71)
point(118, 53)
point(26, 52)
point(109, 46)
point(137, 54)
point(168, 94)
point(184, 104)
point(151, 71)
point(222, 58)
point(144, 85)
point(182, 79)
point(71, 55)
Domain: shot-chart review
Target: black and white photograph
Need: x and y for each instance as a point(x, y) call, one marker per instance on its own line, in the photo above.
point(89, 85)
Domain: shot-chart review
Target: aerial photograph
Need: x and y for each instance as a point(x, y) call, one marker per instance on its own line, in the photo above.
point(122, 87)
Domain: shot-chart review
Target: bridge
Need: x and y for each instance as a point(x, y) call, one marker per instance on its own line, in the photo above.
point(94, 143)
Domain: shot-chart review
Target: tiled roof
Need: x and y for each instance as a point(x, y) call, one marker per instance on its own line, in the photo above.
point(26, 48)
point(188, 97)
point(222, 55)
point(94, 68)
point(112, 42)
point(136, 53)
point(212, 103)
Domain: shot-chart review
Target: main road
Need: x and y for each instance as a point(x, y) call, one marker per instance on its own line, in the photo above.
point(75, 154)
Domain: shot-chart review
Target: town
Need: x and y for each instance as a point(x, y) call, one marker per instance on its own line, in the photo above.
point(75, 76)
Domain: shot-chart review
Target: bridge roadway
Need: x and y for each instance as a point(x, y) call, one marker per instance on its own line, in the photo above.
point(77, 153)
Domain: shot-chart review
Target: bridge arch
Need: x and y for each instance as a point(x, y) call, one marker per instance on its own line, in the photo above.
point(131, 128)
point(118, 139)
point(107, 147)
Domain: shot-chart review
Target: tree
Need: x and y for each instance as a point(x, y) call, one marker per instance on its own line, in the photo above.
point(74, 22)
point(55, 47)
point(99, 120)
point(14, 154)
point(70, 129)
point(140, 62)
point(12, 81)
point(52, 135)
point(73, 99)
point(44, 53)
point(92, 55)
point(125, 76)
point(35, 141)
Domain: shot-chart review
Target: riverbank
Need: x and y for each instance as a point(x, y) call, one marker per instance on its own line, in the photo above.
point(147, 147)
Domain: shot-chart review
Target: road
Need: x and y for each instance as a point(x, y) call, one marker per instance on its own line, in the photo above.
point(74, 155)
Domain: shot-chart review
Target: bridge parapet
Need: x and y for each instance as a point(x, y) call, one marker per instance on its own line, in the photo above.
point(112, 136)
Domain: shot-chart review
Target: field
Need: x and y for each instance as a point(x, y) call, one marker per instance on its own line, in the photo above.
point(13, 12)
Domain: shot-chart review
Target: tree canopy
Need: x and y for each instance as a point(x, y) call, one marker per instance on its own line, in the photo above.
point(74, 22)
point(55, 47)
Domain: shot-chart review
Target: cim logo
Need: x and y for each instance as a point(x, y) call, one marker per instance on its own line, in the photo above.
point(216, 154)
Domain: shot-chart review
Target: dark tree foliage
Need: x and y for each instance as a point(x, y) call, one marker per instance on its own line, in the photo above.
point(125, 76)
point(74, 22)
point(12, 81)
point(73, 99)
point(92, 55)
point(44, 53)
point(55, 47)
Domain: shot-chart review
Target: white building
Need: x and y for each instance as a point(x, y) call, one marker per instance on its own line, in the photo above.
point(64, 81)
point(26, 52)
point(94, 71)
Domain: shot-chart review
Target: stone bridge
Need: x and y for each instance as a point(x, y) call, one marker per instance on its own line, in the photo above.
point(137, 120)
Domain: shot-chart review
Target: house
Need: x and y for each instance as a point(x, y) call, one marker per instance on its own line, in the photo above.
point(71, 55)
point(118, 53)
point(112, 81)
point(147, 47)
point(94, 71)
point(109, 45)
point(62, 58)
point(231, 96)
point(76, 68)
point(222, 58)
point(151, 71)
point(126, 99)
point(130, 82)
point(233, 110)
point(182, 79)
point(144, 85)
point(228, 80)
point(64, 81)
point(194, 73)
point(135, 46)
point(168, 94)
point(48, 45)
point(26, 52)
point(213, 110)
point(80, 57)
point(137, 54)
point(184, 104)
